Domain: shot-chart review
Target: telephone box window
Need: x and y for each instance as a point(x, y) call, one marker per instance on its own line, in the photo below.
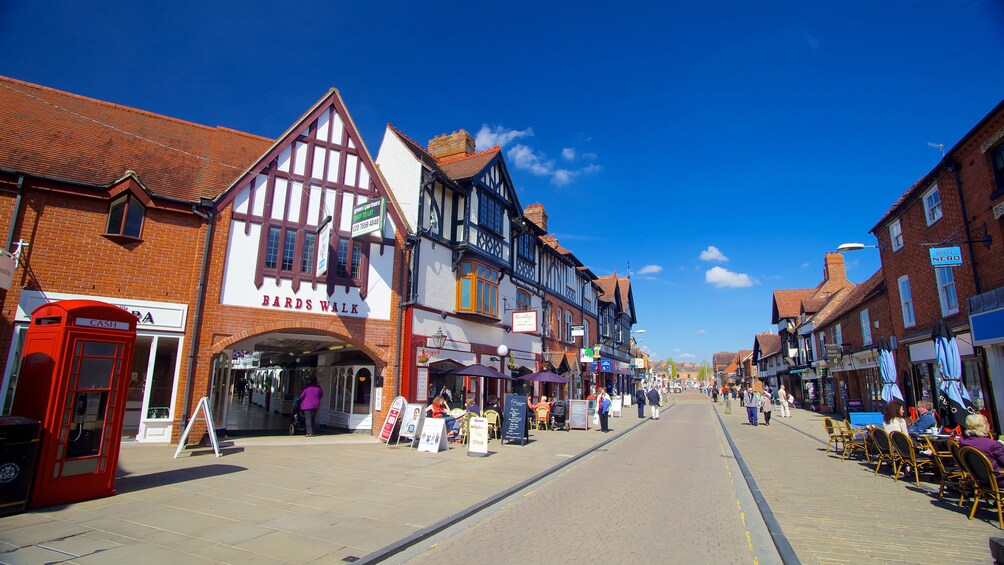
point(125, 217)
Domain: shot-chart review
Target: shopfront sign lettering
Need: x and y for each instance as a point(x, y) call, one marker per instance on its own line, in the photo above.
point(107, 324)
point(308, 304)
point(141, 317)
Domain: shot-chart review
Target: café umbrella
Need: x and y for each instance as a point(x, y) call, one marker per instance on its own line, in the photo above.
point(887, 367)
point(480, 371)
point(954, 397)
point(545, 377)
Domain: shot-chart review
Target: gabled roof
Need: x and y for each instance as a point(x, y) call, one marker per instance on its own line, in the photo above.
point(745, 354)
point(465, 167)
point(788, 302)
point(50, 133)
point(851, 300)
point(721, 359)
point(421, 154)
point(813, 305)
point(618, 290)
point(769, 344)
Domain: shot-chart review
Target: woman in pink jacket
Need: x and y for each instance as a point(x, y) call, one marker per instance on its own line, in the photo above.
point(310, 401)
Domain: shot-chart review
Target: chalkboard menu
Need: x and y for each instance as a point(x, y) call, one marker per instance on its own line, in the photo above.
point(514, 419)
point(578, 415)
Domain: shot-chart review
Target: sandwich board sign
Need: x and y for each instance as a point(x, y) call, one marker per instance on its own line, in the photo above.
point(390, 422)
point(477, 435)
point(411, 422)
point(433, 437)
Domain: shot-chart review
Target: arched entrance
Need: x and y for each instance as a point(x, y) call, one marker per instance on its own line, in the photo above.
point(257, 378)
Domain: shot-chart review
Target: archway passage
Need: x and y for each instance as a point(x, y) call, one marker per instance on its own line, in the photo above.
point(256, 382)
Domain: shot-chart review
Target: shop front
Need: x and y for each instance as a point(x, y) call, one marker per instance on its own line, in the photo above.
point(925, 378)
point(986, 319)
point(156, 360)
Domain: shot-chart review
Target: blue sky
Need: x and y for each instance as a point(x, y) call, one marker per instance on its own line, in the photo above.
point(718, 149)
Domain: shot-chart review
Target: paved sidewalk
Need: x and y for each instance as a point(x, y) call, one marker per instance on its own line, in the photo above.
point(840, 512)
point(278, 499)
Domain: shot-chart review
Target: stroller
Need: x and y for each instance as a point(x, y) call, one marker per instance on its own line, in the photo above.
point(559, 416)
point(297, 423)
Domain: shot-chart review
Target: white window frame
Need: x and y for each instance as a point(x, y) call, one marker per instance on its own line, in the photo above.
point(866, 328)
point(896, 235)
point(838, 335)
point(932, 213)
point(946, 290)
point(906, 302)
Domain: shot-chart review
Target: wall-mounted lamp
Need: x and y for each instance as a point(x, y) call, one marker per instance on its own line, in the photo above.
point(507, 328)
point(438, 339)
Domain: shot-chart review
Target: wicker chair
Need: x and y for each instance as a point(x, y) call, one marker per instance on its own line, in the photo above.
point(967, 478)
point(494, 424)
point(985, 480)
point(948, 470)
point(854, 440)
point(835, 434)
point(883, 447)
point(543, 418)
point(906, 454)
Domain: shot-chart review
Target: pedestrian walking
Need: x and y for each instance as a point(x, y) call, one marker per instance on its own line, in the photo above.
point(639, 398)
point(653, 401)
point(310, 401)
point(766, 406)
point(714, 394)
point(742, 396)
point(751, 407)
point(782, 395)
point(603, 409)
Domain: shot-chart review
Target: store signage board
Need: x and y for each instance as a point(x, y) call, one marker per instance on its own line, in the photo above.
point(433, 438)
point(585, 355)
point(578, 415)
point(390, 422)
point(615, 406)
point(478, 434)
point(323, 249)
point(207, 417)
point(998, 210)
point(368, 217)
point(514, 420)
point(578, 331)
point(7, 265)
point(411, 422)
point(946, 256)
point(524, 321)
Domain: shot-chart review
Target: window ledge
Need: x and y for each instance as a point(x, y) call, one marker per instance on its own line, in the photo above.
point(122, 239)
point(997, 193)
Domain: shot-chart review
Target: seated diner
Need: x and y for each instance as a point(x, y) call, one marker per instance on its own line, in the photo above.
point(978, 435)
point(925, 420)
point(892, 417)
point(439, 409)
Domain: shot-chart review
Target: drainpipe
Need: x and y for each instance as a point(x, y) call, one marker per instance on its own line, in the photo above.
point(17, 212)
point(208, 216)
point(953, 166)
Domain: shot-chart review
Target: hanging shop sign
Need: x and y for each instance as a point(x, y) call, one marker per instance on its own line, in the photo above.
point(524, 321)
point(946, 256)
point(323, 249)
point(368, 217)
point(7, 265)
point(586, 355)
point(578, 331)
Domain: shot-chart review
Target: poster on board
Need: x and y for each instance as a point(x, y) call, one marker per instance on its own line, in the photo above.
point(390, 422)
point(478, 434)
point(411, 422)
point(433, 436)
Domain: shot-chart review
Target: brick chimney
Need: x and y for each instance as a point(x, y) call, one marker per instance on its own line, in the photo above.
point(536, 214)
point(834, 271)
point(458, 143)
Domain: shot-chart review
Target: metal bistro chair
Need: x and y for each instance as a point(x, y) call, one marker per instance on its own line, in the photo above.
point(855, 440)
point(882, 446)
point(949, 473)
point(543, 416)
point(985, 480)
point(494, 424)
point(835, 434)
point(906, 454)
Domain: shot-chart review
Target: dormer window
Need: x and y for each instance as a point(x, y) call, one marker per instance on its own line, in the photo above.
point(125, 217)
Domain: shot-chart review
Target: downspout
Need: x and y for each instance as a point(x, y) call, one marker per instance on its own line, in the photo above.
point(199, 301)
point(17, 212)
point(953, 166)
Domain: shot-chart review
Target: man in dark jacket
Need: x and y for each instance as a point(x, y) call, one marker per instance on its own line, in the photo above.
point(653, 401)
point(639, 399)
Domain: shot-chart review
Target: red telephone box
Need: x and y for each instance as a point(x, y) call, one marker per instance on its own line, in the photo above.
point(74, 379)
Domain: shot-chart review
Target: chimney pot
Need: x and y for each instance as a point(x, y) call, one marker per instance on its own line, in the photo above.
point(445, 145)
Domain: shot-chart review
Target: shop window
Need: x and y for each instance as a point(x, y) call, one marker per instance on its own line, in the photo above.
point(997, 159)
point(866, 329)
point(906, 301)
point(478, 289)
point(946, 290)
point(932, 205)
point(490, 213)
point(896, 235)
point(125, 217)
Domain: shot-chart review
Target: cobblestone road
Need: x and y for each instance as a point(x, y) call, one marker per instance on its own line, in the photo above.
point(668, 492)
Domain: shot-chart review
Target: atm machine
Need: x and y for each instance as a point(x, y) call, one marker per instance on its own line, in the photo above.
point(74, 379)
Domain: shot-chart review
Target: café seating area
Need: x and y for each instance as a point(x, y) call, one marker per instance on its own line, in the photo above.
point(935, 457)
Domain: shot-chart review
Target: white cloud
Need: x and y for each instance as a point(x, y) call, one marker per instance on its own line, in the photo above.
point(702, 331)
point(490, 136)
point(568, 154)
point(687, 356)
point(526, 158)
point(806, 265)
point(650, 270)
point(713, 254)
point(724, 278)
